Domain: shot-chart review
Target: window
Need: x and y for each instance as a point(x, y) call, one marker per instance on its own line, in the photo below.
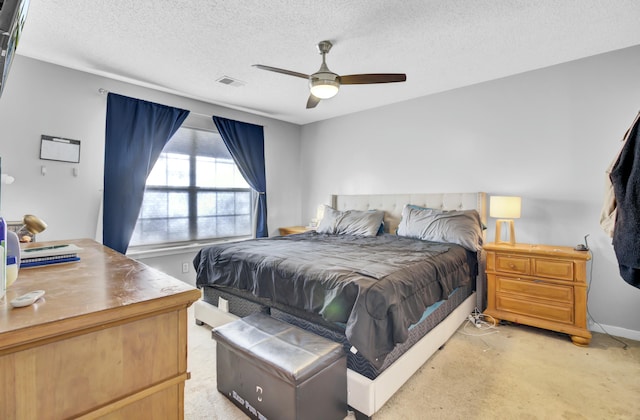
point(194, 192)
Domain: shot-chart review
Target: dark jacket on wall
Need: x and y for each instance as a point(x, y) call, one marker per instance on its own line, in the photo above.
point(625, 178)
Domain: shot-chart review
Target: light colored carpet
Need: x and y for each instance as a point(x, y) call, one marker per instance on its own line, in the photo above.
point(517, 372)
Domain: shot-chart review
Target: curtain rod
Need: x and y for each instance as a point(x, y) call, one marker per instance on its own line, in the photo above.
point(103, 91)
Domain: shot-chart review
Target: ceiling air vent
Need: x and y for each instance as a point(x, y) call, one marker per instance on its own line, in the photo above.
point(230, 81)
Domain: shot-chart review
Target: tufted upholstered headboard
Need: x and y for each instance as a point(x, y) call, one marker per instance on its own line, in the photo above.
point(392, 204)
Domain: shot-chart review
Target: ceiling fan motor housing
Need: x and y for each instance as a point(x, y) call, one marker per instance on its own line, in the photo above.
point(324, 83)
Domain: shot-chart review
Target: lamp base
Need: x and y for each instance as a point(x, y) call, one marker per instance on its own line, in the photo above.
point(512, 232)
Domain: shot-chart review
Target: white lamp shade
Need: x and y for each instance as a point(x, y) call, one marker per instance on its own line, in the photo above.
point(505, 207)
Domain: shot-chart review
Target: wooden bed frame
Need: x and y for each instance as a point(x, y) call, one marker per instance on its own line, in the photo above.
point(369, 395)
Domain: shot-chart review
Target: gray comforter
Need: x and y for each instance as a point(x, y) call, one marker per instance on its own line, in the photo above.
point(377, 286)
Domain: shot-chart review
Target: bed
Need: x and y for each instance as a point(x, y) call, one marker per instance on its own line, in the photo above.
point(385, 344)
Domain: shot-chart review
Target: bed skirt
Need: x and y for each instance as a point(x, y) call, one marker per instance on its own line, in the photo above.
point(241, 307)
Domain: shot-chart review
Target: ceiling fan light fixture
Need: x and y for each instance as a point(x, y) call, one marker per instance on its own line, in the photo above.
point(324, 83)
point(324, 89)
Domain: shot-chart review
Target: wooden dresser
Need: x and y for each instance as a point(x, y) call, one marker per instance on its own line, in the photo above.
point(539, 285)
point(108, 340)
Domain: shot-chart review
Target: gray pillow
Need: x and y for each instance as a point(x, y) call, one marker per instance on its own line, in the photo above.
point(462, 227)
point(350, 222)
point(329, 221)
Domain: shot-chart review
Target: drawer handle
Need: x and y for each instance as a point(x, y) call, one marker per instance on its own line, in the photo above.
point(512, 265)
point(538, 281)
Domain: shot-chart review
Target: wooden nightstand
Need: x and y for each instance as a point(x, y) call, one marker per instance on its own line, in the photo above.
point(539, 285)
point(290, 230)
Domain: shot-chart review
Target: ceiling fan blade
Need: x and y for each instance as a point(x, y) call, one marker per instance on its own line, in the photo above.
point(312, 101)
point(283, 71)
point(365, 79)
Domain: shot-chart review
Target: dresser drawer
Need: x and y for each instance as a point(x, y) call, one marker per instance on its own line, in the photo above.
point(542, 310)
point(513, 264)
point(555, 269)
point(535, 289)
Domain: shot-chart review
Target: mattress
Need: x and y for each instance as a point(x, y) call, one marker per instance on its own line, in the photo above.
point(372, 288)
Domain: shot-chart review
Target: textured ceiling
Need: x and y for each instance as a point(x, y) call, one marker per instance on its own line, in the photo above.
point(184, 46)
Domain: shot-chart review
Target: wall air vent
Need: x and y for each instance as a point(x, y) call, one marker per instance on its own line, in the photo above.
point(230, 81)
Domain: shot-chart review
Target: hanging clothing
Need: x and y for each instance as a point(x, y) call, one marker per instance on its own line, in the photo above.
point(608, 213)
point(625, 179)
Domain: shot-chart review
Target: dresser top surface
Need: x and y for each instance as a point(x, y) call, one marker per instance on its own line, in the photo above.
point(103, 286)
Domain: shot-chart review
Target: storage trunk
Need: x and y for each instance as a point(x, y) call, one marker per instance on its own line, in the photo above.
point(273, 370)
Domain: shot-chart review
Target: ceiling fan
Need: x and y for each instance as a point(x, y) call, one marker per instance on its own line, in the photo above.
point(324, 83)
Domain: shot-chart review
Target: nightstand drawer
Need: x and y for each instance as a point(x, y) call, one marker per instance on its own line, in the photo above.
point(513, 264)
point(534, 289)
point(555, 269)
point(542, 310)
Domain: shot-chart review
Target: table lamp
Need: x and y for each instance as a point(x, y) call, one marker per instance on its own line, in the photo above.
point(31, 224)
point(505, 209)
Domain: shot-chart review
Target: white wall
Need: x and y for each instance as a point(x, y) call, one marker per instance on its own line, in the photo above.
point(42, 98)
point(546, 135)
